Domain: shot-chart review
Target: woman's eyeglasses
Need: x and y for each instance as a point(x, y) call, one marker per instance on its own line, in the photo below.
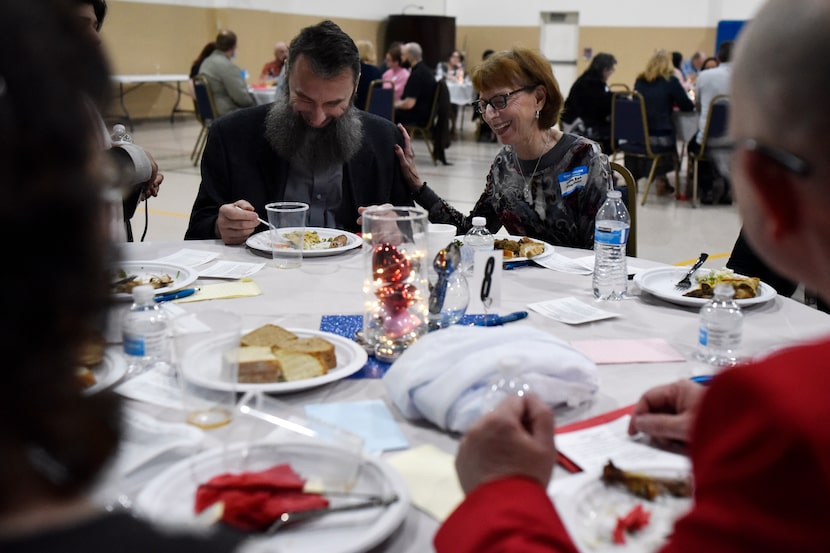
point(499, 101)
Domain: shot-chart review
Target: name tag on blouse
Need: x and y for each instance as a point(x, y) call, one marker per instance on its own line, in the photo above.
point(573, 180)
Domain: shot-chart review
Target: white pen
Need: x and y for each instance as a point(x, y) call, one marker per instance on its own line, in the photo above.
point(261, 220)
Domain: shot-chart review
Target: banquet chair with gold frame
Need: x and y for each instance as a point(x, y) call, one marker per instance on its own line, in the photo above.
point(630, 136)
point(206, 113)
point(380, 99)
point(427, 130)
point(631, 205)
point(714, 130)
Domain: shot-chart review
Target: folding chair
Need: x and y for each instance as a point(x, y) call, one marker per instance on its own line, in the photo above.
point(715, 130)
point(380, 99)
point(629, 135)
point(426, 131)
point(206, 113)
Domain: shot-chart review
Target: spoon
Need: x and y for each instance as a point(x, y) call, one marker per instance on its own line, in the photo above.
point(446, 261)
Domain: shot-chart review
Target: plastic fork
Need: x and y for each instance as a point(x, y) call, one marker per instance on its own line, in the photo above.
point(686, 281)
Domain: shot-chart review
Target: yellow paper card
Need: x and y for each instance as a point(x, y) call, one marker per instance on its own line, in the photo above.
point(240, 289)
point(430, 476)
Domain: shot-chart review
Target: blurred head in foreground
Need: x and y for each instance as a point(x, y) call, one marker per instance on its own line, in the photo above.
point(53, 440)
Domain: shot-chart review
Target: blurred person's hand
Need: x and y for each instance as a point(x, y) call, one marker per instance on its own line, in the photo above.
point(515, 439)
point(667, 413)
point(236, 222)
point(151, 186)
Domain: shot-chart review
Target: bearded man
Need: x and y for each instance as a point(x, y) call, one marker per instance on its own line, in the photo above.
point(311, 145)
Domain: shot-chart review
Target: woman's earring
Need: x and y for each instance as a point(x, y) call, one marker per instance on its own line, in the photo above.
point(537, 114)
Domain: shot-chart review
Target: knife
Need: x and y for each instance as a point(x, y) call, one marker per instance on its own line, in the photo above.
point(297, 516)
point(500, 320)
point(176, 295)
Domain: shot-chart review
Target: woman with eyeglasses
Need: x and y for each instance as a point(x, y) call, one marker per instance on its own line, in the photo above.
point(543, 183)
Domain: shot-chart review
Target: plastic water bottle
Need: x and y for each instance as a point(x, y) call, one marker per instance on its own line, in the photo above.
point(477, 238)
point(146, 332)
point(721, 326)
point(120, 135)
point(611, 233)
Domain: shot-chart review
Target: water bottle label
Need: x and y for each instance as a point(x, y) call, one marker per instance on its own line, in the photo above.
point(703, 336)
point(573, 180)
point(134, 345)
point(607, 235)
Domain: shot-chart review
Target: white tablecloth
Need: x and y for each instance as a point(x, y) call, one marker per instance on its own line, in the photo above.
point(263, 95)
point(332, 285)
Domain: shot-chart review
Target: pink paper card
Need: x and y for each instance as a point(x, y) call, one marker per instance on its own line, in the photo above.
point(610, 352)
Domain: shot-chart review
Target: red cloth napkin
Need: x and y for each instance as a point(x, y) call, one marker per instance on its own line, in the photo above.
point(253, 500)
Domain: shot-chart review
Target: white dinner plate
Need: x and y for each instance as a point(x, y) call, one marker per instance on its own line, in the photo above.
point(169, 497)
point(591, 514)
point(548, 247)
point(660, 282)
point(202, 365)
point(108, 372)
point(261, 241)
point(182, 276)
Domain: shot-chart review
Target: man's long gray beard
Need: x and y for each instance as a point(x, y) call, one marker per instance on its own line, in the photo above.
point(291, 137)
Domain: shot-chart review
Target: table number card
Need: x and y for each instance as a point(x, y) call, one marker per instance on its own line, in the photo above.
point(485, 284)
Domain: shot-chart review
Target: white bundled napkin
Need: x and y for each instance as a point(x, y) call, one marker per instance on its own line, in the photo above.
point(445, 375)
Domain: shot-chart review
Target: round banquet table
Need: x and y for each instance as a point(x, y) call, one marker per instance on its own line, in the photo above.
point(333, 286)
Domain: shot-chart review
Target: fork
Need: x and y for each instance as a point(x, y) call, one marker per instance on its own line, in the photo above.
point(297, 516)
point(686, 281)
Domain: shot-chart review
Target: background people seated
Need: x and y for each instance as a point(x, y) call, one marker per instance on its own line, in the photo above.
point(543, 183)
point(662, 93)
point(230, 92)
point(711, 83)
point(311, 145)
point(395, 72)
point(692, 66)
point(272, 70)
point(453, 68)
point(197, 63)
point(368, 71)
point(588, 108)
point(416, 103)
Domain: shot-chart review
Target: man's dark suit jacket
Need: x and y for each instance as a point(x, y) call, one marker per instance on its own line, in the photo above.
point(239, 164)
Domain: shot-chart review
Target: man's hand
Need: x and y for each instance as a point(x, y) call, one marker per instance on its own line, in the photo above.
point(151, 185)
point(515, 439)
point(407, 159)
point(666, 413)
point(236, 222)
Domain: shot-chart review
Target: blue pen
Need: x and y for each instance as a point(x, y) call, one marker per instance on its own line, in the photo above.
point(495, 320)
point(703, 379)
point(176, 295)
point(515, 264)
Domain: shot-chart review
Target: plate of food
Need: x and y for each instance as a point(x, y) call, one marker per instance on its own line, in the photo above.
point(518, 248)
point(164, 277)
point(623, 510)
point(274, 359)
point(171, 497)
point(317, 241)
point(660, 282)
point(96, 377)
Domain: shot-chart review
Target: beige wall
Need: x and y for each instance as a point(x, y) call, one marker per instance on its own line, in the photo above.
point(158, 38)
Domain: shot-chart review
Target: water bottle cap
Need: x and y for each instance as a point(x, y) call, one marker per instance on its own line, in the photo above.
point(143, 293)
point(119, 128)
point(614, 194)
point(479, 221)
